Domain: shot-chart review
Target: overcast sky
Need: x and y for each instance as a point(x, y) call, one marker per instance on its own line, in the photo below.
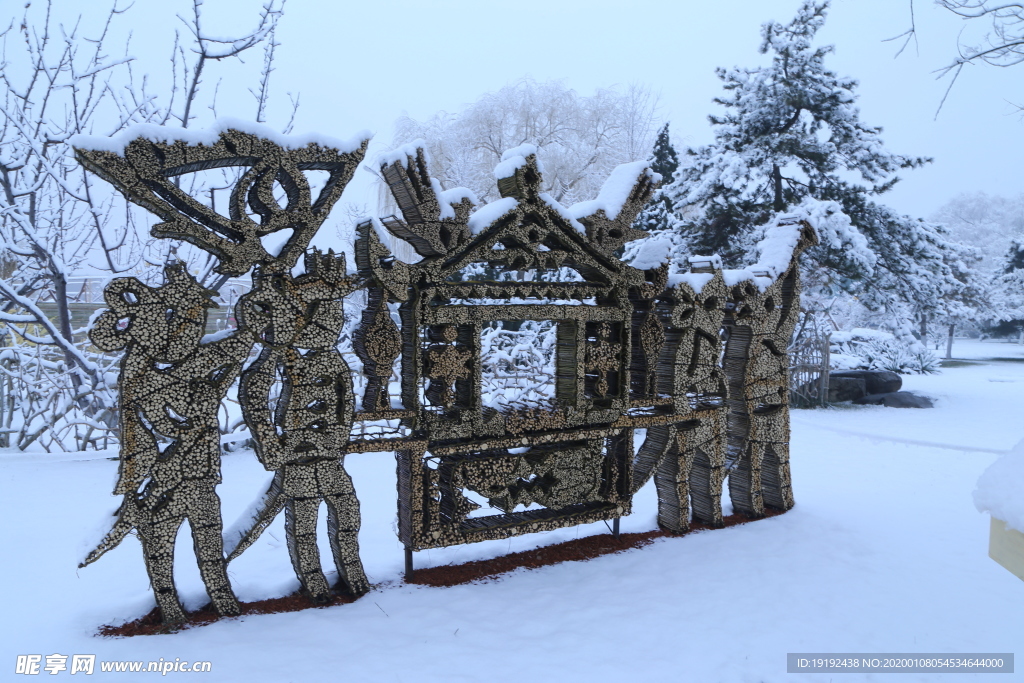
point(363, 64)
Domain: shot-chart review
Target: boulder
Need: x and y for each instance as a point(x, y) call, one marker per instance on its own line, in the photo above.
point(875, 381)
point(843, 388)
point(896, 399)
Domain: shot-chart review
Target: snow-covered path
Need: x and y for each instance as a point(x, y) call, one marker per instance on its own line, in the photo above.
point(884, 552)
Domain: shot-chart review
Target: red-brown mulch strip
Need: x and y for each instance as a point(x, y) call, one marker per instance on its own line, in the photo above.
point(586, 548)
point(580, 549)
point(152, 625)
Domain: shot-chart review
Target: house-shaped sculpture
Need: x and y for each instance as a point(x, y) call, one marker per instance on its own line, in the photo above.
point(497, 450)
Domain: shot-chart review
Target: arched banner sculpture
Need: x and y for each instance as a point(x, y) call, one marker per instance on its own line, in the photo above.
point(494, 437)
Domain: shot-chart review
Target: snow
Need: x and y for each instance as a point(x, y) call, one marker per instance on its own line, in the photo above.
point(844, 361)
point(775, 251)
point(522, 151)
point(486, 215)
point(1001, 489)
point(714, 259)
point(514, 159)
point(860, 334)
point(616, 190)
point(169, 135)
point(402, 154)
point(218, 336)
point(652, 253)
point(733, 277)
point(508, 167)
point(884, 552)
point(456, 195)
point(447, 199)
point(444, 210)
point(696, 281)
point(563, 212)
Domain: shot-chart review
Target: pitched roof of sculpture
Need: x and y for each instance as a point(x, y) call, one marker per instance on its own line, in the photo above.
point(525, 229)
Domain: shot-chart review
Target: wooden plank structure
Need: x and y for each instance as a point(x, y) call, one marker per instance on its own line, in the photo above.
point(809, 361)
point(1006, 546)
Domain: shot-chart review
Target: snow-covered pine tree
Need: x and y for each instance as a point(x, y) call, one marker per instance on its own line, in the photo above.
point(664, 161)
point(1009, 293)
point(791, 138)
point(1015, 258)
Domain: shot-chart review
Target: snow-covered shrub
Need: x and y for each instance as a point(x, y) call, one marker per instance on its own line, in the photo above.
point(867, 349)
point(897, 357)
point(38, 405)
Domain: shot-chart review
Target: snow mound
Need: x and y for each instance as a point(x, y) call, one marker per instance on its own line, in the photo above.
point(1000, 490)
point(447, 199)
point(616, 190)
point(696, 281)
point(775, 251)
point(401, 155)
point(523, 151)
point(563, 212)
point(486, 215)
point(714, 259)
point(514, 159)
point(652, 252)
point(734, 277)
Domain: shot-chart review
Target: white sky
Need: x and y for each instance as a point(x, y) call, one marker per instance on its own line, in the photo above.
point(362, 64)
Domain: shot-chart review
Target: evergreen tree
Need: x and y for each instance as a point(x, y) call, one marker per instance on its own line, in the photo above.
point(1009, 293)
point(664, 161)
point(790, 139)
point(1015, 258)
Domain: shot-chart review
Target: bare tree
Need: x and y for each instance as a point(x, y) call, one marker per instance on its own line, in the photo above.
point(207, 48)
point(58, 230)
point(1002, 45)
point(989, 223)
point(579, 139)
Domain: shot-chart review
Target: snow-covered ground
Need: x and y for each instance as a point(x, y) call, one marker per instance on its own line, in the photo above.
point(884, 552)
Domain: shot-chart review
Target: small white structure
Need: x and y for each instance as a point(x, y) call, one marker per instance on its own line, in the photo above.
point(1000, 492)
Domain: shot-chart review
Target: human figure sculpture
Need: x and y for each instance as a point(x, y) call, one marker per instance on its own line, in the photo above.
point(761, 326)
point(172, 384)
point(171, 389)
point(301, 437)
